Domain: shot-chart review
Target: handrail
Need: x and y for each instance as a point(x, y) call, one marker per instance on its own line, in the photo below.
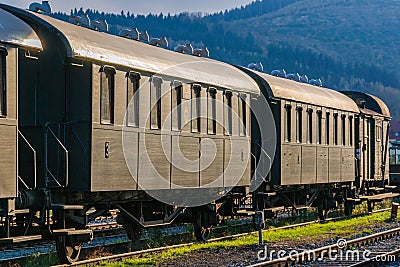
point(23, 182)
point(255, 165)
point(266, 154)
point(48, 129)
point(34, 163)
point(80, 141)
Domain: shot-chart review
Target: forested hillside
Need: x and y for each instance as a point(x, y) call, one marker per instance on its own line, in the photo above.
point(349, 44)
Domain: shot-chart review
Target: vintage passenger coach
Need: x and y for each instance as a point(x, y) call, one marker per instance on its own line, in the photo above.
point(91, 121)
point(73, 98)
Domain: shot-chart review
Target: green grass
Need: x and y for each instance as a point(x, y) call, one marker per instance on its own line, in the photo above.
point(344, 229)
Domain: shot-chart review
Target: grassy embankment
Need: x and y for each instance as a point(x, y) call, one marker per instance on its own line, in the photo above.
point(343, 229)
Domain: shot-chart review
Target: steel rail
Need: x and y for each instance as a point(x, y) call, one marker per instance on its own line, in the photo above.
point(304, 256)
point(125, 256)
point(376, 261)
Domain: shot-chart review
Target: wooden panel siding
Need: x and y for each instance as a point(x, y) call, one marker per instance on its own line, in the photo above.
point(335, 160)
point(212, 151)
point(182, 174)
point(308, 165)
point(291, 164)
point(322, 165)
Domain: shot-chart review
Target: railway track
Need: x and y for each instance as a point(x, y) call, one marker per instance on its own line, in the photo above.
point(377, 260)
point(102, 227)
point(106, 235)
point(344, 252)
point(125, 256)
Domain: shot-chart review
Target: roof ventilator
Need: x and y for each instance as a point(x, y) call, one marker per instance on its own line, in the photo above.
point(304, 79)
point(144, 36)
point(187, 49)
point(84, 21)
point(130, 33)
point(101, 25)
point(279, 73)
point(316, 82)
point(80, 20)
point(162, 41)
point(201, 52)
point(44, 7)
point(293, 76)
point(256, 66)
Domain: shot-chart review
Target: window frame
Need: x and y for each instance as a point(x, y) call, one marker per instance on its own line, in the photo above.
point(299, 125)
point(155, 108)
point(3, 85)
point(196, 103)
point(319, 127)
point(104, 72)
point(327, 128)
point(335, 129)
point(242, 106)
point(343, 126)
point(287, 123)
point(212, 108)
point(351, 129)
point(228, 125)
point(176, 104)
point(310, 125)
point(378, 132)
point(130, 75)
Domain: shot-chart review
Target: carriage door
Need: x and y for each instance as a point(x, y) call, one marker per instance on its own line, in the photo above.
point(371, 148)
point(357, 146)
point(366, 148)
point(378, 150)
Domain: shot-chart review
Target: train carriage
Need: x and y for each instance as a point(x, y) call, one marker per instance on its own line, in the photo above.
point(315, 154)
point(81, 85)
point(91, 122)
point(331, 147)
point(16, 37)
point(372, 140)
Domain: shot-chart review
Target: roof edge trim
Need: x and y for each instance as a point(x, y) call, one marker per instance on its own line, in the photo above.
point(29, 18)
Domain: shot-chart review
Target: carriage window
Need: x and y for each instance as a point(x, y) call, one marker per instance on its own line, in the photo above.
point(242, 115)
point(107, 85)
point(351, 131)
point(309, 126)
point(343, 130)
point(212, 111)
point(335, 129)
point(155, 103)
point(176, 105)
point(378, 133)
point(319, 127)
point(299, 125)
point(288, 122)
point(3, 94)
point(328, 115)
point(228, 113)
point(133, 84)
point(196, 118)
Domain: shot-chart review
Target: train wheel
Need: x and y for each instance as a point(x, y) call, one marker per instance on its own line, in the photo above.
point(322, 213)
point(348, 208)
point(133, 232)
point(67, 250)
point(202, 233)
point(203, 218)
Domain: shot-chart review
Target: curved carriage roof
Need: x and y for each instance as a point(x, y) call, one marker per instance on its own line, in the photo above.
point(369, 104)
point(14, 31)
point(88, 44)
point(290, 90)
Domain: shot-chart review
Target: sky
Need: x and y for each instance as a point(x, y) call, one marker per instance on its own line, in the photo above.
point(138, 6)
